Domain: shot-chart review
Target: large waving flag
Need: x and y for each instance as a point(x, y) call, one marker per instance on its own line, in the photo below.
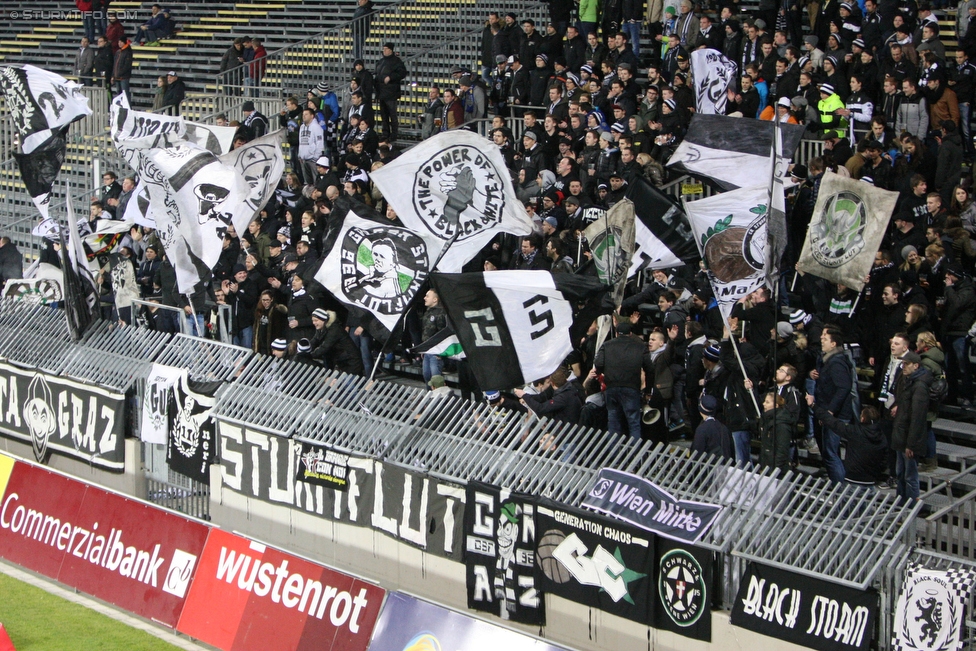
point(611, 242)
point(712, 73)
point(453, 190)
point(80, 290)
point(514, 326)
point(663, 236)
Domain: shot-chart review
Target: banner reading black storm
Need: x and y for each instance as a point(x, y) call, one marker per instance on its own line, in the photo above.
point(683, 578)
point(406, 505)
point(53, 414)
point(798, 609)
point(594, 561)
point(499, 554)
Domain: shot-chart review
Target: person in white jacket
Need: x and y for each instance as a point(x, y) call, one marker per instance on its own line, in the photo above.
point(311, 145)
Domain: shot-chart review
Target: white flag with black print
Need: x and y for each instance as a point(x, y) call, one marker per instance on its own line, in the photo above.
point(40, 103)
point(931, 609)
point(80, 289)
point(730, 230)
point(712, 72)
point(733, 152)
point(662, 235)
point(847, 227)
point(138, 209)
point(453, 185)
point(374, 266)
point(513, 325)
point(260, 163)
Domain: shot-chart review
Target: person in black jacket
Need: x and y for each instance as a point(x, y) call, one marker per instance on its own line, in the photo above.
point(559, 400)
point(300, 308)
point(363, 19)
point(621, 361)
point(241, 293)
point(909, 436)
point(175, 92)
point(739, 408)
point(104, 61)
point(958, 317)
point(332, 346)
point(834, 377)
point(867, 446)
point(389, 73)
point(711, 436)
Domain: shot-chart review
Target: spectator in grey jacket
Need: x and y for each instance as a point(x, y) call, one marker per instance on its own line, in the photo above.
point(913, 113)
point(84, 62)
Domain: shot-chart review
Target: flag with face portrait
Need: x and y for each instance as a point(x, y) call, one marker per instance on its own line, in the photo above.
point(712, 72)
point(453, 190)
point(373, 265)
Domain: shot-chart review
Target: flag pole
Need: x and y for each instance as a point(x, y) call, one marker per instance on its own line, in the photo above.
point(742, 366)
point(440, 256)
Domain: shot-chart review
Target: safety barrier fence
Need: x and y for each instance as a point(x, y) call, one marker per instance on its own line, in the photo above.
point(800, 524)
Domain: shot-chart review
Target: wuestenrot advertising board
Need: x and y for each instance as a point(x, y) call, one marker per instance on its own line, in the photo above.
point(231, 592)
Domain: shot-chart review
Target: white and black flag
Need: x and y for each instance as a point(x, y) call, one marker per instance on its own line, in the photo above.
point(733, 152)
point(192, 444)
point(499, 554)
point(453, 190)
point(40, 168)
point(930, 609)
point(80, 290)
point(611, 241)
point(514, 326)
point(374, 265)
point(713, 73)
point(662, 234)
point(40, 103)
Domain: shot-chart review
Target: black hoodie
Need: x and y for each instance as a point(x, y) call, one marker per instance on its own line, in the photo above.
point(867, 448)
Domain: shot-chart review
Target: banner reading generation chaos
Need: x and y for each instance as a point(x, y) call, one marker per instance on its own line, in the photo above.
point(53, 414)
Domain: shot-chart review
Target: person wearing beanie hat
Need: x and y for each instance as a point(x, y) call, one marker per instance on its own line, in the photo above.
point(279, 347)
point(909, 433)
point(831, 122)
point(388, 75)
point(711, 436)
point(241, 293)
point(711, 353)
point(784, 331)
point(332, 346)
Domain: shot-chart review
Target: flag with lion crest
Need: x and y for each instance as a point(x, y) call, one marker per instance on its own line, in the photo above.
point(847, 227)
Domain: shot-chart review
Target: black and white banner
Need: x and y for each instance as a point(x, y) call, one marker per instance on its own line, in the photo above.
point(40, 168)
point(684, 580)
point(712, 73)
point(80, 290)
point(499, 554)
point(644, 504)
point(320, 465)
point(53, 414)
point(453, 185)
point(847, 227)
point(662, 234)
point(154, 422)
point(930, 610)
point(375, 266)
point(40, 102)
point(594, 561)
point(513, 325)
point(407, 505)
point(805, 611)
point(734, 152)
point(611, 241)
point(192, 441)
point(730, 230)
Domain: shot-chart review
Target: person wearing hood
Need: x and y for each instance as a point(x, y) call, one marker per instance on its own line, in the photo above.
point(909, 434)
point(948, 171)
point(331, 345)
point(867, 447)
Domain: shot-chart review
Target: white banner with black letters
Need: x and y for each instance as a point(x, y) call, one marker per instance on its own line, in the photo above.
point(646, 505)
point(154, 425)
point(805, 611)
point(406, 505)
point(930, 609)
point(712, 72)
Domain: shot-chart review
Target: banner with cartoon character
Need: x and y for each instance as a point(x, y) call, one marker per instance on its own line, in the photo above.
point(594, 561)
point(54, 414)
point(712, 73)
point(499, 554)
point(929, 614)
point(192, 431)
point(611, 241)
point(730, 230)
point(848, 224)
point(805, 611)
point(373, 265)
point(683, 590)
point(453, 190)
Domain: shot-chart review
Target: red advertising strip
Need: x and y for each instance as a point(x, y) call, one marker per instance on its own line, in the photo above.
point(249, 597)
point(120, 550)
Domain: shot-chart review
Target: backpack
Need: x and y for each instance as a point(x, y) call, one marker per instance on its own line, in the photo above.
point(938, 391)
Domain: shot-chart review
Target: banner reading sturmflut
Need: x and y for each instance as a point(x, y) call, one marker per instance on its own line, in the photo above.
point(848, 224)
point(730, 230)
point(712, 72)
point(453, 185)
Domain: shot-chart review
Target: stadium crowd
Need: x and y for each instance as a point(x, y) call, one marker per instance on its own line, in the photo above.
point(871, 80)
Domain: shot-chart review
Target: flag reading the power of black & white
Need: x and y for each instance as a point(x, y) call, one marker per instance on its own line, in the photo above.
point(192, 431)
point(594, 561)
point(930, 609)
point(453, 190)
point(374, 265)
point(712, 72)
point(848, 224)
point(730, 230)
point(662, 234)
point(611, 241)
point(499, 554)
point(80, 290)
point(733, 152)
point(514, 326)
